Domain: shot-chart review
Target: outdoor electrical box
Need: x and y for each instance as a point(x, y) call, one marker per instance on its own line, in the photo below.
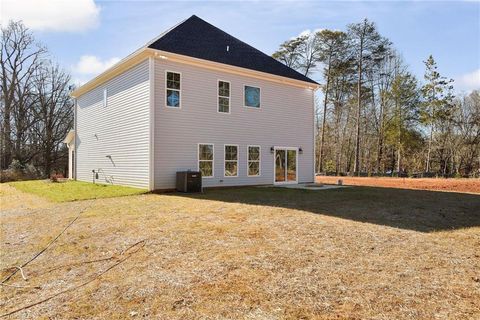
point(189, 181)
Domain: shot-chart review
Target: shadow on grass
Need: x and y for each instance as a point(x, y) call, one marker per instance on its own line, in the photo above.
point(417, 210)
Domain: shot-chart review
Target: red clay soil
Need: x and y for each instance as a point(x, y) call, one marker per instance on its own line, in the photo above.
point(438, 184)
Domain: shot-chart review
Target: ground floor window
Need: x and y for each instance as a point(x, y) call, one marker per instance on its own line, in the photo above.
point(231, 161)
point(205, 160)
point(253, 160)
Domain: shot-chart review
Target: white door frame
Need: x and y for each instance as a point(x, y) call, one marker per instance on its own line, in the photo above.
point(275, 148)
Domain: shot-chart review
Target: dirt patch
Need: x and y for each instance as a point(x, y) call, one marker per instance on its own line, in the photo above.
point(440, 184)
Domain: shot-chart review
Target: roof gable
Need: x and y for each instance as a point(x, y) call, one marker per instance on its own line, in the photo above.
point(197, 38)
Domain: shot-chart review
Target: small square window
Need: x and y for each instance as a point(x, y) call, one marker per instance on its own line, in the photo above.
point(252, 97)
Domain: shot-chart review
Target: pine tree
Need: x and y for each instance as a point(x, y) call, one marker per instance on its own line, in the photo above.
point(405, 96)
point(367, 44)
point(332, 48)
point(437, 102)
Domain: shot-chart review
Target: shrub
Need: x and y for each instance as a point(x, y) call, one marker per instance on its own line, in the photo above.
point(16, 165)
point(18, 172)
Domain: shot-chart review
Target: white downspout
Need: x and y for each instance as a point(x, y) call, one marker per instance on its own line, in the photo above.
point(151, 162)
point(74, 158)
point(70, 162)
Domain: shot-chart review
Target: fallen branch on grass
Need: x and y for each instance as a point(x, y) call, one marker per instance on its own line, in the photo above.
point(20, 287)
point(139, 245)
point(45, 248)
point(79, 263)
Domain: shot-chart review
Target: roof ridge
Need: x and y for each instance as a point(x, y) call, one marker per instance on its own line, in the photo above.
point(167, 31)
point(198, 38)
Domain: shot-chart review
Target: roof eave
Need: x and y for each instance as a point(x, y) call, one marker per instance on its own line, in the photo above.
point(144, 52)
point(230, 68)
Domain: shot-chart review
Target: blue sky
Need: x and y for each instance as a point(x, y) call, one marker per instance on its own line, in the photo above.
point(86, 36)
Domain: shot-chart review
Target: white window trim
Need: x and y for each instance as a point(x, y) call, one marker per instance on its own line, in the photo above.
point(105, 97)
point(224, 161)
point(229, 97)
point(259, 161)
point(260, 90)
point(213, 159)
point(180, 91)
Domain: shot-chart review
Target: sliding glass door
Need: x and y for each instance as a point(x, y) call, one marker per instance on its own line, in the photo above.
point(285, 165)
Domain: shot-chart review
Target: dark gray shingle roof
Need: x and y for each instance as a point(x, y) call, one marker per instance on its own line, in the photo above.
point(197, 38)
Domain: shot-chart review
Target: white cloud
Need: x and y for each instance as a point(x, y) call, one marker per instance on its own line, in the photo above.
point(52, 15)
point(468, 82)
point(89, 65)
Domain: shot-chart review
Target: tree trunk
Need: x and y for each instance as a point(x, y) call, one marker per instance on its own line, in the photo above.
point(356, 167)
point(322, 137)
point(380, 135)
point(6, 138)
point(429, 149)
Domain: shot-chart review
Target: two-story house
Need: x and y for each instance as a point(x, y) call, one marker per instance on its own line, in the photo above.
point(195, 98)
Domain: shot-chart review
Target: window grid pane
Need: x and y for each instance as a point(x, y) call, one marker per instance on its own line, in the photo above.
point(206, 168)
point(254, 168)
point(231, 168)
point(173, 80)
point(223, 104)
point(205, 152)
point(253, 153)
point(231, 153)
point(223, 89)
point(173, 98)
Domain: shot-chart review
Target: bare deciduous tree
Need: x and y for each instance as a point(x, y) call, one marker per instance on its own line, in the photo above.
point(36, 109)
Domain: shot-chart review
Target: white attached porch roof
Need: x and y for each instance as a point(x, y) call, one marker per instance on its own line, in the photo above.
point(70, 137)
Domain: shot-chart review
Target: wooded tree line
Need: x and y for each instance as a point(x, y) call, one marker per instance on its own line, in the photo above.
point(36, 109)
point(375, 117)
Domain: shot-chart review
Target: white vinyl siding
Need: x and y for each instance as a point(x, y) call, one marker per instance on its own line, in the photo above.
point(284, 119)
point(115, 139)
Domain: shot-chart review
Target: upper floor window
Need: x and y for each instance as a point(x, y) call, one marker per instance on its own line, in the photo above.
point(223, 96)
point(251, 97)
point(205, 160)
point(253, 160)
point(172, 84)
point(105, 96)
point(231, 161)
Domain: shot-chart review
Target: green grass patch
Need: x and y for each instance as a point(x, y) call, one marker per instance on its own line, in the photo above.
point(73, 190)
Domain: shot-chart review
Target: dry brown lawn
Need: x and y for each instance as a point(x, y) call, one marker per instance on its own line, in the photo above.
point(440, 184)
point(246, 253)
